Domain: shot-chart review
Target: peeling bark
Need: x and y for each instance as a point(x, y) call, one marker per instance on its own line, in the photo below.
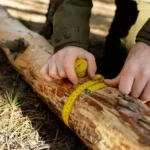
point(105, 120)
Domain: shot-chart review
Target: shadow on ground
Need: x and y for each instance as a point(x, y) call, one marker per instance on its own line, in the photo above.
point(51, 130)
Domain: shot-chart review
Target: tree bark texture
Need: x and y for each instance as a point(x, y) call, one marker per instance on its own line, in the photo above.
point(105, 120)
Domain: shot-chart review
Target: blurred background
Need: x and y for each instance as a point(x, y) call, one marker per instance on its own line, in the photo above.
point(25, 122)
point(32, 13)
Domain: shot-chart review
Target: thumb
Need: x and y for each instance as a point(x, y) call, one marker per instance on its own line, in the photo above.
point(113, 82)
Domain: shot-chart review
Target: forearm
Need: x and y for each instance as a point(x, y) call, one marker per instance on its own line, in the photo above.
point(71, 24)
point(144, 33)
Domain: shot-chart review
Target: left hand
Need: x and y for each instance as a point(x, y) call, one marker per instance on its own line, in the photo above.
point(134, 78)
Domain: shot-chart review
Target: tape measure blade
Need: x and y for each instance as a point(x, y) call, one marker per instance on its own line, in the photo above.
point(97, 86)
point(92, 85)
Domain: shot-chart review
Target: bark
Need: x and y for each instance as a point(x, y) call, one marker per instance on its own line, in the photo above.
point(105, 120)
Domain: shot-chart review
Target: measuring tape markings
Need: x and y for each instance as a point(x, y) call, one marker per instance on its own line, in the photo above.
point(89, 87)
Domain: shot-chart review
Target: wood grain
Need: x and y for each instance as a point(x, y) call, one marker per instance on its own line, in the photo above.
point(105, 120)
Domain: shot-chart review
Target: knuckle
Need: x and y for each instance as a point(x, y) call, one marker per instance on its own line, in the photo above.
point(91, 57)
point(131, 68)
point(67, 66)
point(42, 72)
point(69, 51)
point(144, 72)
point(58, 54)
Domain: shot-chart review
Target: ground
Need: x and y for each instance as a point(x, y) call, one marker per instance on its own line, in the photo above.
point(26, 123)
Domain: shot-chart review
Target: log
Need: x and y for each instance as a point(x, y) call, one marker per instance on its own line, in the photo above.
point(104, 120)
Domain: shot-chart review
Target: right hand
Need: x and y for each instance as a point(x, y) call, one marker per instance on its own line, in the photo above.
point(61, 64)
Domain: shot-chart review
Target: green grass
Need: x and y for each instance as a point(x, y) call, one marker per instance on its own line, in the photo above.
point(26, 123)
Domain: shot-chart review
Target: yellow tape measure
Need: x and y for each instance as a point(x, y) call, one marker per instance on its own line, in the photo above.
point(89, 87)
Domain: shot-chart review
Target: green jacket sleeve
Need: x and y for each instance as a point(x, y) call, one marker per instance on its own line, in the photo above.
point(144, 33)
point(71, 24)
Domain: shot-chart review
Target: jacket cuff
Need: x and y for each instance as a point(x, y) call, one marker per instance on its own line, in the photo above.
point(65, 45)
point(70, 37)
point(144, 34)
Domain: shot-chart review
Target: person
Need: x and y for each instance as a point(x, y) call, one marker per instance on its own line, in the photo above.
point(130, 29)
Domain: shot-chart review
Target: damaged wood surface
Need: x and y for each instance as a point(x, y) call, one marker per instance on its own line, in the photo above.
point(105, 120)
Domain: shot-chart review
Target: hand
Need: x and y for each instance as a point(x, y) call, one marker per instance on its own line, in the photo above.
point(61, 64)
point(134, 79)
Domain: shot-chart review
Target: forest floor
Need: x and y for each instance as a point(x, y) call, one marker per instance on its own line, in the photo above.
point(26, 123)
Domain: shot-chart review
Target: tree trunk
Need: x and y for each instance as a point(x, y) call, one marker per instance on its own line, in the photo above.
point(105, 120)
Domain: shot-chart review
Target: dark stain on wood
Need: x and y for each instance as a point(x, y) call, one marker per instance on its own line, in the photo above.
point(64, 86)
point(102, 99)
point(108, 91)
point(93, 103)
point(132, 113)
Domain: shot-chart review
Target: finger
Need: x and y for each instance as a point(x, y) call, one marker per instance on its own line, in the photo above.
point(60, 69)
point(44, 72)
point(146, 92)
point(61, 72)
point(92, 67)
point(69, 69)
point(125, 83)
point(113, 82)
point(53, 72)
point(138, 86)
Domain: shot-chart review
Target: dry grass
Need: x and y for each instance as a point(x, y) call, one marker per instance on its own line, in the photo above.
point(25, 121)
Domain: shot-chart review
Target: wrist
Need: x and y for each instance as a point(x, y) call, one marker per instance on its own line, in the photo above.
point(73, 44)
point(144, 34)
point(142, 45)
